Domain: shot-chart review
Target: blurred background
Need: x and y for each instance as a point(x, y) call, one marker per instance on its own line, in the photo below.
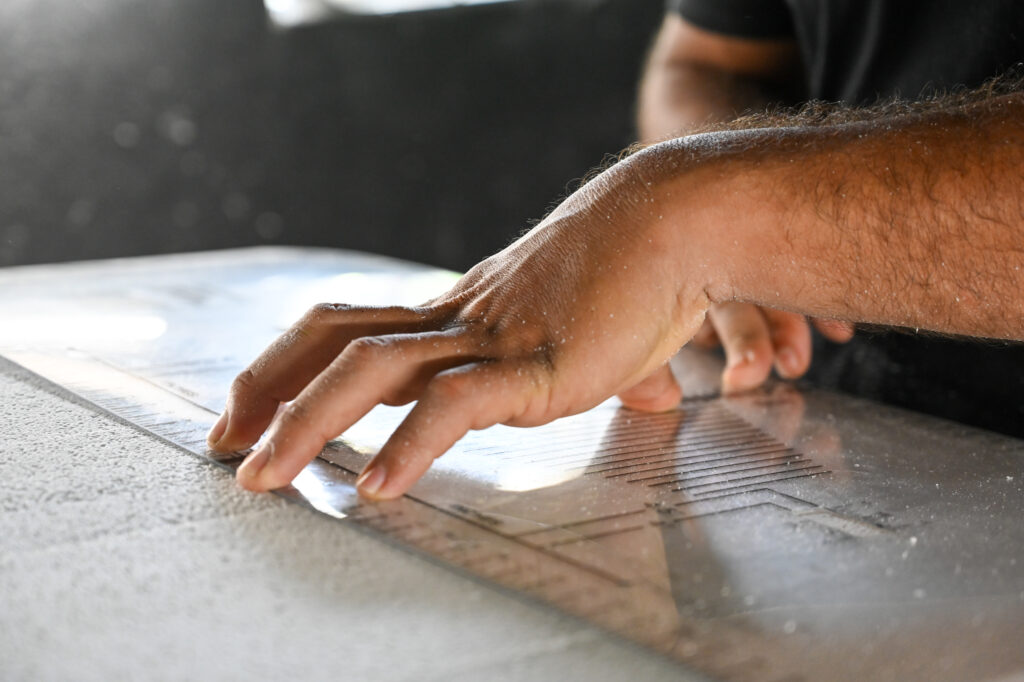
point(133, 127)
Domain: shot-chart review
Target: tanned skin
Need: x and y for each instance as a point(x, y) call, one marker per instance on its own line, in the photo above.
point(693, 79)
point(909, 219)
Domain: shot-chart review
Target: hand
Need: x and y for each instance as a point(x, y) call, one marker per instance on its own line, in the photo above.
point(590, 303)
point(755, 339)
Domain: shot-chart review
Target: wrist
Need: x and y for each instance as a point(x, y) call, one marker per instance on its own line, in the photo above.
point(736, 219)
point(705, 212)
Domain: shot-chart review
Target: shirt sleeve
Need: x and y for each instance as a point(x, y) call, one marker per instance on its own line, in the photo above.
point(739, 18)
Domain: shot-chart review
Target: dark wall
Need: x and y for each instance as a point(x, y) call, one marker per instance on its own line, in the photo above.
point(148, 126)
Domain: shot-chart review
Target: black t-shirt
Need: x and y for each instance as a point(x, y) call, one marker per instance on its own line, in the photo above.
point(859, 51)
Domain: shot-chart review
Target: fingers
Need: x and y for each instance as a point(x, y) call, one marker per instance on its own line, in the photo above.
point(746, 338)
point(369, 371)
point(791, 342)
point(656, 393)
point(787, 415)
point(706, 337)
point(835, 330)
point(293, 360)
point(755, 339)
point(454, 402)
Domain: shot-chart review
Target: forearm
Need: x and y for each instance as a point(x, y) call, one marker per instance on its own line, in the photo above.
point(914, 220)
point(694, 77)
point(677, 98)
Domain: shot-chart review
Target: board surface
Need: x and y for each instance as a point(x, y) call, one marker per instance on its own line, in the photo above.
point(783, 534)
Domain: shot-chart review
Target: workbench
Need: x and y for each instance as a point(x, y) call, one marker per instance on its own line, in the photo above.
point(799, 531)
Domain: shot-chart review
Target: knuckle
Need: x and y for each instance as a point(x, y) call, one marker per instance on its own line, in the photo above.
point(493, 330)
point(366, 349)
point(512, 338)
point(244, 383)
point(440, 311)
point(317, 313)
point(323, 313)
point(746, 339)
point(450, 386)
point(296, 412)
point(298, 417)
point(477, 312)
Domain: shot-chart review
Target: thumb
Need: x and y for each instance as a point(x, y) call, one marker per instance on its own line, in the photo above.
point(657, 393)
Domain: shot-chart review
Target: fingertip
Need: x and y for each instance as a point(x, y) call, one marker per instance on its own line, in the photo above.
point(241, 430)
point(657, 393)
point(745, 372)
point(249, 473)
point(232, 442)
point(791, 341)
point(789, 363)
point(240, 425)
point(267, 469)
point(392, 472)
point(400, 463)
point(371, 481)
point(661, 403)
point(251, 484)
point(837, 331)
point(217, 432)
point(746, 338)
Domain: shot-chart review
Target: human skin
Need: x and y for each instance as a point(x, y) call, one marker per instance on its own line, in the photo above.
point(909, 219)
point(694, 78)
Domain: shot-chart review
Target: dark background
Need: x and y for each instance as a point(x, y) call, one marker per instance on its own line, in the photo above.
point(150, 126)
point(134, 127)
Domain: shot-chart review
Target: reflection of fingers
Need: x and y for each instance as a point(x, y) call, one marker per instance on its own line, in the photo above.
point(369, 371)
point(835, 330)
point(788, 412)
point(294, 359)
point(825, 443)
point(745, 337)
point(472, 396)
point(657, 393)
point(791, 337)
point(705, 336)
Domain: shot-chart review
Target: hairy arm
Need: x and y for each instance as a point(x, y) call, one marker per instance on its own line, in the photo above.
point(912, 219)
point(906, 217)
point(694, 79)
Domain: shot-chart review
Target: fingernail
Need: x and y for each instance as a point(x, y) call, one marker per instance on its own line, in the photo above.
point(743, 358)
point(254, 463)
point(786, 360)
point(371, 480)
point(217, 432)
